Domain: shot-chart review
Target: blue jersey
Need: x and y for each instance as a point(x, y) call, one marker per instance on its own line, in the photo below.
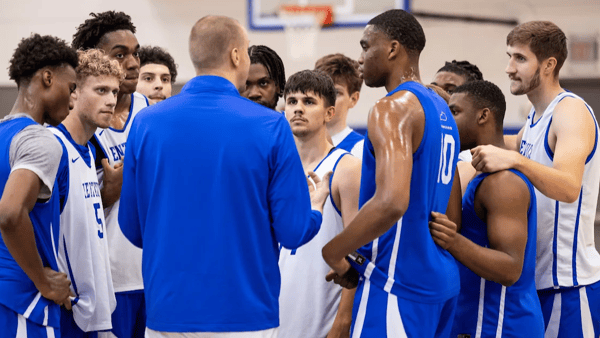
point(405, 261)
point(17, 291)
point(211, 183)
point(486, 308)
point(350, 141)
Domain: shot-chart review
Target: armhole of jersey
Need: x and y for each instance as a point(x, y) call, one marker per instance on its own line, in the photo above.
point(589, 158)
point(546, 144)
point(330, 183)
point(64, 163)
point(99, 154)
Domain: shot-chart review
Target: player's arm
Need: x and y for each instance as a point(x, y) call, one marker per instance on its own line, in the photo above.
point(466, 173)
point(574, 130)
point(345, 192)
point(503, 199)
point(391, 129)
point(111, 176)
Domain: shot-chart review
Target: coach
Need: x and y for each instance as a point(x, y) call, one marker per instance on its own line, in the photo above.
point(211, 183)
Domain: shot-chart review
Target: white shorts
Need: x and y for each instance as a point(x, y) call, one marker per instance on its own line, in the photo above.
point(271, 333)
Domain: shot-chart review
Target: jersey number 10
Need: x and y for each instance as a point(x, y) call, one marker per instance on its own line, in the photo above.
point(446, 159)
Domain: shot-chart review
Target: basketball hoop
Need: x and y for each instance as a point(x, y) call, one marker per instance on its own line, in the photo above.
point(302, 25)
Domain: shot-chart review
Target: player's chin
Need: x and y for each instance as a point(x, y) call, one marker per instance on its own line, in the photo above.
point(128, 86)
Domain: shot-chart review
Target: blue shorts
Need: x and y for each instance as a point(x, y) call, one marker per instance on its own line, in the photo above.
point(129, 318)
point(68, 327)
point(572, 312)
point(377, 313)
point(14, 325)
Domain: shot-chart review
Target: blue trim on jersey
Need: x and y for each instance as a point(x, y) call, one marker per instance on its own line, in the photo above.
point(147, 102)
point(100, 144)
point(574, 262)
point(596, 139)
point(350, 141)
point(128, 116)
point(536, 122)
point(331, 181)
point(554, 246)
point(549, 151)
point(70, 271)
point(62, 177)
point(84, 151)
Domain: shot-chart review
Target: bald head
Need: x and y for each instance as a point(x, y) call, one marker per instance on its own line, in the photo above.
point(212, 40)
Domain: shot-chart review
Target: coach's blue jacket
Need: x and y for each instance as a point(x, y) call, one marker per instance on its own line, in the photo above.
point(211, 183)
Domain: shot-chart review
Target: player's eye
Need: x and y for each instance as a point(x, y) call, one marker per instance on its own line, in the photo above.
point(147, 78)
point(136, 54)
point(166, 79)
point(101, 90)
point(263, 83)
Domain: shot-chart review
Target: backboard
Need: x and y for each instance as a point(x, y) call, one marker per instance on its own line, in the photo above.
point(265, 14)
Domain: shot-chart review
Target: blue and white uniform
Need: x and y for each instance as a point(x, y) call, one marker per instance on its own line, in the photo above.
point(23, 311)
point(567, 260)
point(489, 309)
point(410, 284)
point(125, 258)
point(82, 249)
point(350, 141)
point(307, 303)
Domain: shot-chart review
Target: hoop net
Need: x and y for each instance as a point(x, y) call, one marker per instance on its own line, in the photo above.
point(302, 25)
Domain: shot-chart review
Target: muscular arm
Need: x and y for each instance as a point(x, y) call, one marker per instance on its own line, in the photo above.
point(501, 200)
point(395, 127)
point(572, 132)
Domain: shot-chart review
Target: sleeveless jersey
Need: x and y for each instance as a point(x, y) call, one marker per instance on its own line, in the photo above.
point(307, 303)
point(405, 261)
point(489, 309)
point(566, 255)
point(17, 291)
point(352, 143)
point(125, 258)
point(82, 249)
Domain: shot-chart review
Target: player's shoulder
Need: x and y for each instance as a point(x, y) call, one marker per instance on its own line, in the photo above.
point(571, 104)
point(349, 163)
point(504, 185)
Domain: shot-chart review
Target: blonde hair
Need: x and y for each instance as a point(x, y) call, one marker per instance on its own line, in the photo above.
point(93, 62)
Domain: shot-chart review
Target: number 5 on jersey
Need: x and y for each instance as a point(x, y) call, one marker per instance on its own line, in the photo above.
point(99, 220)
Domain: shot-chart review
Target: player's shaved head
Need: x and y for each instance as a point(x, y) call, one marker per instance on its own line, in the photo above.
point(212, 39)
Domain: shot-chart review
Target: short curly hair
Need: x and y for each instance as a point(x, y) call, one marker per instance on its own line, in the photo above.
point(157, 55)
point(36, 52)
point(485, 94)
point(467, 70)
point(90, 32)
point(403, 27)
point(341, 69)
point(93, 62)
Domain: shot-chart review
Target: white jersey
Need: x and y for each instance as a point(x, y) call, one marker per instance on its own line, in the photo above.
point(125, 258)
point(566, 255)
point(82, 248)
point(307, 303)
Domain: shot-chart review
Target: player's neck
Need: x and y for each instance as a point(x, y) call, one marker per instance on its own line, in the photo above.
point(543, 95)
point(401, 75)
point(313, 148)
point(337, 127)
point(80, 131)
point(121, 111)
point(492, 137)
point(27, 103)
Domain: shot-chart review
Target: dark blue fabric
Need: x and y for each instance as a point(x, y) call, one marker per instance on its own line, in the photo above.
point(211, 184)
point(349, 141)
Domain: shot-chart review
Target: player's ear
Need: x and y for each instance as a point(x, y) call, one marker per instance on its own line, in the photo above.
point(47, 77)
point(329, 113)
point(549, 65)
point(354, 99)
point(394, 49)
point(483, 116)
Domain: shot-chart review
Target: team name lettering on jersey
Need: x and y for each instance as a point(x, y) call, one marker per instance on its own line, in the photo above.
point(118, 151)
point(91, 189)
point(526, 149)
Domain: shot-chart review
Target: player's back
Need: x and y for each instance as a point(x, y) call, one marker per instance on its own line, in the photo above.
point(214, 157)
point(406, 254)
point(487, 307)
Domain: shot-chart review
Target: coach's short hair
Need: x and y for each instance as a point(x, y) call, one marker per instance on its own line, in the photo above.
point(157, 55)
point(401, 26)
point(485, 94)
point(90, 33)
point(314, 81)
point(341, 69)
point(93, 62)
point(544, 38)
point(467, 70)
point(36, 52)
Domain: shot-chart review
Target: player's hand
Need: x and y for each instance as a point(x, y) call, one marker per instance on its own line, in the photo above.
point(113, 181)
point(490, 159)
point(347, 277)
point(442, 230)
point(339, 330)
point(56, 287)
point(319, 190)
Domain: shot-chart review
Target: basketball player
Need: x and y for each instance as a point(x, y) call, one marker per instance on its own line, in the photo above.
point(345, 75)
point(558, 155)
point(209, 208)
point(113, 33)
point(496, 244)
point(31, 288)
point(309, 306)
point(266, 78)
point(158, 72)
point(82, 249)
point(456, 73)
point(410, 284)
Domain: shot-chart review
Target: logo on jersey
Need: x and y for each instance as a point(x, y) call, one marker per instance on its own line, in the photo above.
point(443, 116)
point(118, 151)
point(75, 159)
point(526, 149)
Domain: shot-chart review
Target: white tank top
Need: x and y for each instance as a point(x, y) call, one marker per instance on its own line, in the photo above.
point(125, 258)
point(566, 254)
point(307, 303)
point(82, 249)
